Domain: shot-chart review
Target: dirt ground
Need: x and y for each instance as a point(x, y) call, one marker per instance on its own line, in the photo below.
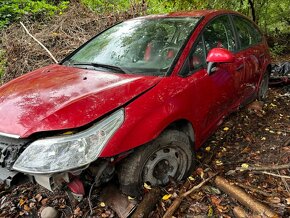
point(252, 136)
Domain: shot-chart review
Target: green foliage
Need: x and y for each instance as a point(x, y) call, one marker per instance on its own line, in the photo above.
point(277, 49)
point(2, 62)
point(102, 6)
point(12, 10)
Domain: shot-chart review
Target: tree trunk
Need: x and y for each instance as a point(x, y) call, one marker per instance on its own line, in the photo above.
point(253, 12)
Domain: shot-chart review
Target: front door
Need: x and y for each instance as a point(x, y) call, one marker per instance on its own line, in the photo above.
point(212, 95)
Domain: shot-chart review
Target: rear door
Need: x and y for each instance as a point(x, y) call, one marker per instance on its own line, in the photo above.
point(250, 53)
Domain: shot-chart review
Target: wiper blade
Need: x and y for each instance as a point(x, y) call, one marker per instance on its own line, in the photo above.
point(106, 66)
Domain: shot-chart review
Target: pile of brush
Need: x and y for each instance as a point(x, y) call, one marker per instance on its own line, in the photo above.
point(60, 34)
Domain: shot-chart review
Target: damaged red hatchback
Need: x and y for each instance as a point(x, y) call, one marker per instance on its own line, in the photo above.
point(134, 101)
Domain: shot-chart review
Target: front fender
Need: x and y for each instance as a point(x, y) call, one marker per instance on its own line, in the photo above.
point(145, 118)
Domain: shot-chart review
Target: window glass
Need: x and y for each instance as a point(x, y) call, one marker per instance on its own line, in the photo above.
point(219, 34)
point(196, 60)
point(247, 33)
point(142, 46)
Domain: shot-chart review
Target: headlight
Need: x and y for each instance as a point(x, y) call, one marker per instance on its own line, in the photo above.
point(62, 153)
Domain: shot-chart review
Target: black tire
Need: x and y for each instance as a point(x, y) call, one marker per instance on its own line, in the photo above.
point(263, 88)
point(171, 154)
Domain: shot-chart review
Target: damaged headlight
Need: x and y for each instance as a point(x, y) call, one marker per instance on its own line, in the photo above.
point(62, 153)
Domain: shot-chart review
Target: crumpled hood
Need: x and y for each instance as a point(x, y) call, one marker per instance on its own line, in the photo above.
point(58, 97)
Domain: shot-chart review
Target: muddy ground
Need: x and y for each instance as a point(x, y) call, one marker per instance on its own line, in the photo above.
point(250, 137)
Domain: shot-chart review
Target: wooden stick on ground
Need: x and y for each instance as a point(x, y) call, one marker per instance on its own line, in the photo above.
point(240, 212)
point(245, 199)
point(173, 207)
point(147, 204)
point(35, 39)
point(259, 168)
point(254, 189)
point(274, 174)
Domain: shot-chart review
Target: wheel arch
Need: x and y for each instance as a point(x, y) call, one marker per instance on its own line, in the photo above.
point(185, 126)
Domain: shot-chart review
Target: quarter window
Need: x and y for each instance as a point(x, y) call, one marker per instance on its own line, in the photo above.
point(196, 59)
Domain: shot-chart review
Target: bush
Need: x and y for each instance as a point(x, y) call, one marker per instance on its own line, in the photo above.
point(12, 10)
point(2, 62)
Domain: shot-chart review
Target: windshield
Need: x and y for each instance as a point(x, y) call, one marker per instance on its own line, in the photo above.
point(139, 46)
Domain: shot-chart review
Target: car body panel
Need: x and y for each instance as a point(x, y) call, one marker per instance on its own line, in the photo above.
point(59, 97)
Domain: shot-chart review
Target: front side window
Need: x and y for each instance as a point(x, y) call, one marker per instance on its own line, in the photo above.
point(142, 46)
point(219, 34)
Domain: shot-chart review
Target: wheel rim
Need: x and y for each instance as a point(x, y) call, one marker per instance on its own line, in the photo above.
point(163, 164)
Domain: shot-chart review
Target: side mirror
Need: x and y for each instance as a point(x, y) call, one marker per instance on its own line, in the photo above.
point(218, 55)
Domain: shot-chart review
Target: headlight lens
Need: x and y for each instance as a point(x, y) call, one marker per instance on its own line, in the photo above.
point(62, 153)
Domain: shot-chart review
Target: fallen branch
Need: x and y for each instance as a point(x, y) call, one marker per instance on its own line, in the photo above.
point(245, 199)
point(173, 207)
point(147, 204)
point(273, 174)
point(258, 168)
point(240, 212)
point(35, 39)
point(254, 189)
point(287, 142)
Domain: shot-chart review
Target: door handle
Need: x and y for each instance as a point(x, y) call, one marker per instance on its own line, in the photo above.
point(240, 67)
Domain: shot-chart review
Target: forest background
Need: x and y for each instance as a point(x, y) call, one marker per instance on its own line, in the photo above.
point(16, 58)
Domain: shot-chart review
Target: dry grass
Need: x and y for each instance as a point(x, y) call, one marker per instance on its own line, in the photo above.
point(60, 34)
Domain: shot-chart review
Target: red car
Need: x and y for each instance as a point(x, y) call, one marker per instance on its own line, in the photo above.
point(136, 100)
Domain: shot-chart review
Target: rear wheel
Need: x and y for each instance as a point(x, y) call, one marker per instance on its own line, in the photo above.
point(263, 88)
point(170, 155)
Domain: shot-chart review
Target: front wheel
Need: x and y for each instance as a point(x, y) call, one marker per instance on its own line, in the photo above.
point(170, 155)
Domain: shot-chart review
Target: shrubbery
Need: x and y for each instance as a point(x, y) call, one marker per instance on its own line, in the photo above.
point(12, 10)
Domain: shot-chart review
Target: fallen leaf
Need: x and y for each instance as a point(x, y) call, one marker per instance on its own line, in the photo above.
point(44, 201)
point(199, 156)
point(21, 202)
point(287, 201)
point(218, 162)
point(77, 211)
point(226, 129)
point(274, 200)
point(31, 204)
point(26, 208)
point(207, 148)
point(130, 198)
point(166, 197)
point(147, 186)
point(102, 204)
point(191, 178)
point(244, 166)
point(38, 197)
point(210, 211)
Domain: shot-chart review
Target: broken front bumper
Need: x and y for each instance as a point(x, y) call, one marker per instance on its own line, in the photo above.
point(7, 176)
point(10, 149)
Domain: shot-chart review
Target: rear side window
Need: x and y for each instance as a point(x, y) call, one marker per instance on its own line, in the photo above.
point(219, 34)
point(246, 32)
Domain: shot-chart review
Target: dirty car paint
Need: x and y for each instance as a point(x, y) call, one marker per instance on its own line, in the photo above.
point(59, 97)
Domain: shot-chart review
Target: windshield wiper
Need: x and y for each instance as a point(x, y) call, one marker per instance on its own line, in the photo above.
point(106, 66)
